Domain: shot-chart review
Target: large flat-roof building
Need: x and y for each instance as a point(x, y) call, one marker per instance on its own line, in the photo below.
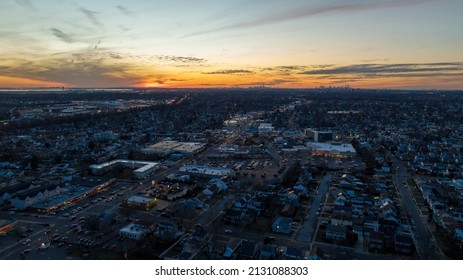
point(332, 149)
point(167, 147)
point(140, 202)
point(141, 168)
point(204, 171)
point(318, 135)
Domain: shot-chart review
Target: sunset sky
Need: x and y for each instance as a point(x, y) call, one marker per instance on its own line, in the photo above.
point(212, 43)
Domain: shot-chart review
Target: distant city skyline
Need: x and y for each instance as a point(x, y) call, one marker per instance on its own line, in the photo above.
point(409, 44)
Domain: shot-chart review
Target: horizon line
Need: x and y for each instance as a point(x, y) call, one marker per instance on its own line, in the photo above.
point(215, 88)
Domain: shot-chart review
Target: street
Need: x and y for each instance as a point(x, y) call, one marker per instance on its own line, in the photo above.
point(307, 232)
point(426, 244)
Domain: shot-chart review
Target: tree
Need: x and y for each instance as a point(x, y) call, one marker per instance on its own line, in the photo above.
point(126, 212)
point(131, 155)
point(58, 158)
point(91, 145)
point(35, 162)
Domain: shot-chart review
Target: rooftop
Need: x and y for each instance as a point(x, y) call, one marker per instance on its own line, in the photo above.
point(141, 166)
point(206, 170)
point(332, 147)
point(139, 199)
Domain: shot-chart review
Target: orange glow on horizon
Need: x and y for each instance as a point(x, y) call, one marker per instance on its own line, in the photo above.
point(254, 80)
point(15, 82)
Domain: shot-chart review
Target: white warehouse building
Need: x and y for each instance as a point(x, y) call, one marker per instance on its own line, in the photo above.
point(141, 168)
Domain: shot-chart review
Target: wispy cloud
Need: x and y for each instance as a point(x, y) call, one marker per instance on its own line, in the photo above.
point(91, 15)
point(26, 4)
point(181, 59)
point(61, 35)
point(230, 72)
point(364, 70)
point(125, 11)
point(284, 70)
point(305, 12)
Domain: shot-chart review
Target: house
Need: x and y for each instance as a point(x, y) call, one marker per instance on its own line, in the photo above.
point(291, 199)
point(167, 230)
point(300, 190)
point(404, 244)
point(370, 225)
point(7, 193)
point(282, 225)
point(200, 237)
point(340, 200)
point(292, 253)
point(336, 232)
point(134, 231)
point(249, 250)
point(268, 252)
point(232, 249)
point(459, 234)
point(237, 217)
point(389, 229)
point(288, 211)
point(341, 219)
point(215, 186)
point(376, 240)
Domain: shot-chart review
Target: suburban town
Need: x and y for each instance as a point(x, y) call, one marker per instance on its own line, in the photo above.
point(228, 174)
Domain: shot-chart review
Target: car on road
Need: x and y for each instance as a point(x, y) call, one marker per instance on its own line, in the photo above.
point(228, 231)
point(27, 241)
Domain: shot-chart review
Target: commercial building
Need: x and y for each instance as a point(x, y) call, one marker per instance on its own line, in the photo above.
point(332, 149)
point(140, 202)
point(168, 147)
point(319, 136)
point(204, 171)
point(141, 168)
point(50, 198)
point(26, 198)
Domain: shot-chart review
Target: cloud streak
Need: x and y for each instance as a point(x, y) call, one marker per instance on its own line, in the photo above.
point(91, 15)
point(181, 59)
point(230, 72)
point(61, 35)
point(363, 70)
point(305, 12)
point(125, 11)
